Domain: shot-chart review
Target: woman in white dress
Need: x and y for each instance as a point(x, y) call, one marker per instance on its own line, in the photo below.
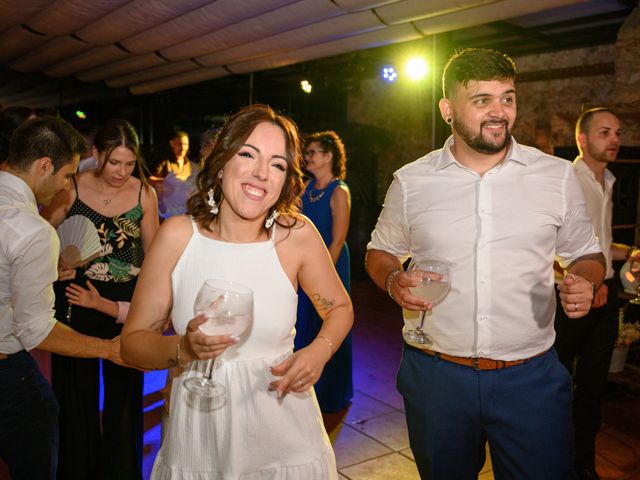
point(244, 226)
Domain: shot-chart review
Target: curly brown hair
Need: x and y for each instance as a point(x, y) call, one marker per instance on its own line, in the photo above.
point(331, 142)
point(231, 137)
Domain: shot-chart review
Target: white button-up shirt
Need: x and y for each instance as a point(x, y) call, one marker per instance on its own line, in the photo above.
point(29, 249)
point(501, 231)
point(599, 207)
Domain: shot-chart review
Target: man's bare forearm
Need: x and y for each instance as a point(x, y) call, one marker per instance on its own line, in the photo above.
point(591, 267)
point(379, 264)
point(66, 341)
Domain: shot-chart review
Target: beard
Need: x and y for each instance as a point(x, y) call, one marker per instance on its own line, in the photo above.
point(604, 155)
point(478, 142)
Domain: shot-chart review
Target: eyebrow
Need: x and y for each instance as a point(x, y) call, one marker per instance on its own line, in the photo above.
point(508, 92)
point(258, 150)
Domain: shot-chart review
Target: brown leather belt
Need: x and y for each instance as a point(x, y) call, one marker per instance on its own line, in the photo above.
point(3, 356)
point(477, 363)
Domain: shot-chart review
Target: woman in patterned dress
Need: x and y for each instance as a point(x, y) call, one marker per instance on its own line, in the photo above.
point(124, 210)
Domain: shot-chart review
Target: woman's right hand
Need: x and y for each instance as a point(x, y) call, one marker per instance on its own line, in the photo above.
point(197, 345)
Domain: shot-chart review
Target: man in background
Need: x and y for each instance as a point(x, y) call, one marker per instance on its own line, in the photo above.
point(585, 345)
point(43, 156)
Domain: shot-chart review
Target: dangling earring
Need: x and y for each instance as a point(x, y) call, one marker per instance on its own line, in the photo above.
point(212, 202)
point(270, 219)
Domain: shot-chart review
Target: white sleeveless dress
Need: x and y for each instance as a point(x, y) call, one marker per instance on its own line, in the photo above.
point(253, 435)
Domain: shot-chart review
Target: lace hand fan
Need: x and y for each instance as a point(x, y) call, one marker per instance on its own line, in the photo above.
point(79, 241)
point(175, 193)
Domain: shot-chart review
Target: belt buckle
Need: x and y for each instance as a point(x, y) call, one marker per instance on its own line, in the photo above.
point(476, 363)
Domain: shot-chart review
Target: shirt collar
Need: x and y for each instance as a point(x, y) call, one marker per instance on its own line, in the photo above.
point(582, 167)
point(17, 191)
point(513, 154)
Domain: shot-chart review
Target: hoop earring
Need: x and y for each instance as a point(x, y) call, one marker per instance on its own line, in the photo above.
point(270, 219)
point(449, 121)
point(212, 202)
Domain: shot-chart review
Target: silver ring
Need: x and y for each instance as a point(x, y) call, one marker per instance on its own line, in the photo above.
point(301, 383)
point(575, 307)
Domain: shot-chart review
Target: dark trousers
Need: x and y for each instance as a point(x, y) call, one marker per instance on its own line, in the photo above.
point(584, 346)
point(28, 420)
point(91, 449)
point(524, 412)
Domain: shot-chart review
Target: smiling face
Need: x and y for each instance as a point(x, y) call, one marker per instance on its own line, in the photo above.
point(601, 140)
point(252, 180)
point(118, 167)
point(483, 114)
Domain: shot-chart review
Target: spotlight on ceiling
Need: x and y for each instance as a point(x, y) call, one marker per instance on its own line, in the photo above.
point(389, 74)
point(416, 68)
point(306, 86)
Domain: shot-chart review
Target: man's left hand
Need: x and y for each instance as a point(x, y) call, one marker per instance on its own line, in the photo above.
point(600, 298)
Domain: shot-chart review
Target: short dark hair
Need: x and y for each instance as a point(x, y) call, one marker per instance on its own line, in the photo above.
point(331, 142)
point(476, 64)
point(44, 137)
point(583, 125)
point(232, 136)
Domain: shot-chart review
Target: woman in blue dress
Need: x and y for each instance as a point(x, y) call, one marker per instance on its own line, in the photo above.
point(327, 203)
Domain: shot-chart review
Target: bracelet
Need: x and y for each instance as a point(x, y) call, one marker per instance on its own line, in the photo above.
point(329, 342)
point(389, 281)
point(180, 364)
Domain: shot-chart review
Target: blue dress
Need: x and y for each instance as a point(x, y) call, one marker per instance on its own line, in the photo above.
point(334, 390)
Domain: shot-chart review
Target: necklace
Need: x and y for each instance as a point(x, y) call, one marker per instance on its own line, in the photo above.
point(314, 199)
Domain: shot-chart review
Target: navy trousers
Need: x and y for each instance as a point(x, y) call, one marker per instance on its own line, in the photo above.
point(28, 420)
point(523, 412)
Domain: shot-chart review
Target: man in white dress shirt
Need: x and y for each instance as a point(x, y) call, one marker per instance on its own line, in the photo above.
point(587, 344)
point(499, 212)
point(43, 156)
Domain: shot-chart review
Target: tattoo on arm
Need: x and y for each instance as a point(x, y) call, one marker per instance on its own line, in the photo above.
point(322, 303)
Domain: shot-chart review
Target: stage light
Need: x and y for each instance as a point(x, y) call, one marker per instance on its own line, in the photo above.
point(416, 68)
point(306, 86)
point(80, 114)
point(389, 74)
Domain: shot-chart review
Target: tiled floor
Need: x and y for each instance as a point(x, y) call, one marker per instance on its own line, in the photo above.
point(370, 439)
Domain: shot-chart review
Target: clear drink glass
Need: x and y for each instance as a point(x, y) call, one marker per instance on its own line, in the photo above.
point(228, 307)
point(434, 275)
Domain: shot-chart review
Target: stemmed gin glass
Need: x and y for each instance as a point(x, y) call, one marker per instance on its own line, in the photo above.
point(228, 307)
point(434, 275)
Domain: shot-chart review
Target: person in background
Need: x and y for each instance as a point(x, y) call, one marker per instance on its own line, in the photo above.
point(498, 212)
point(585, 346)
point(43, 156)
point(174, 178)
point(327, 203)
point(123, 209)
point(243, 226)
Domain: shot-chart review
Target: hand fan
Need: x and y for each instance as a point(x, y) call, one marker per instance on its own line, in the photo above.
point(175, 193)
point(79, 241)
